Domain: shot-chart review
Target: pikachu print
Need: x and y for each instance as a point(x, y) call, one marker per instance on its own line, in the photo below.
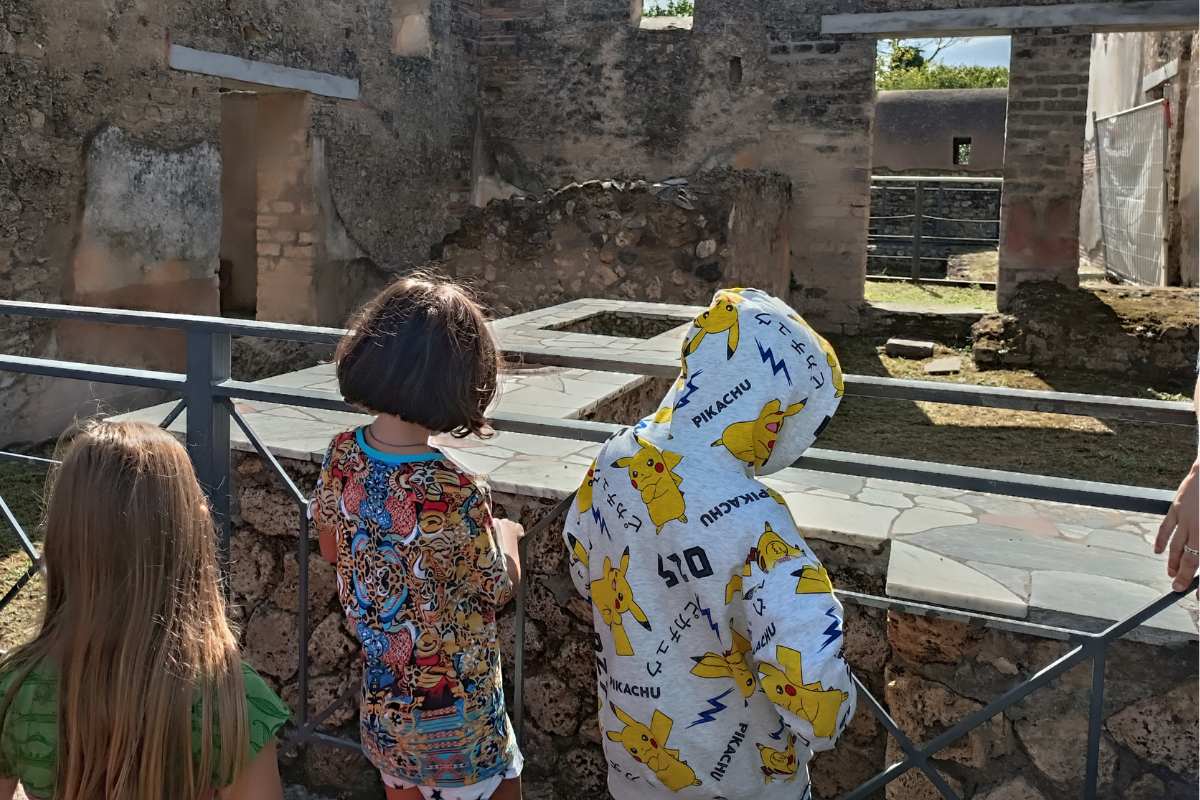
point(721, 317)
point(778, 765)
point(648, 745)
point(732, 663)
point(753, 441)
point(810, 701)
point(652, 473)
point(613, 598)
point(770, 549)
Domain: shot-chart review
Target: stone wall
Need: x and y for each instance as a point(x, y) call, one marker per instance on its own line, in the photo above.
point(1148, 333)
point(915, 131)
point(1043, 156)
point(673, 242)
point(396, 165)
point(928, 672)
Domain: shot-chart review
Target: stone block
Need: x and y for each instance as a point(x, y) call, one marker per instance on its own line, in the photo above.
point(1056, 746)
point(270, 643)
point(586, 773)
point(924, 708)
point(1161, 729)
point(948, 365)
point(929, 640)
point(322, 586)
point(252, 568)
point(908, 348)
point(1018, 788)
point(330, 648)
point(553, 706)
point(269, 512)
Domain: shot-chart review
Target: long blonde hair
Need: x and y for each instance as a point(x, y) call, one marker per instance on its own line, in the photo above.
point(135, 624)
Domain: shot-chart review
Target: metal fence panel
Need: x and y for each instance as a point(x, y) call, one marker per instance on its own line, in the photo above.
point(1130, 158)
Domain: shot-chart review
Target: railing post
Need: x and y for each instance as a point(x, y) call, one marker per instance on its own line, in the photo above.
point(918, 214)
point(209, 363)
point(1095, 722)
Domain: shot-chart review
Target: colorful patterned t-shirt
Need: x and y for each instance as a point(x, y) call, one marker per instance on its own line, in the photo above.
point(29, 740)
point(420, 578)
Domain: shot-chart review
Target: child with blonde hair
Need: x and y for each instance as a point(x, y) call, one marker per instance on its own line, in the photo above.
point(422, 566)
point(133, 688)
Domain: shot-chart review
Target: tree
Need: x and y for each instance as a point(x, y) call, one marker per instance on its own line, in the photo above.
point(901, 65)
point(671, 8)
point(942, 76)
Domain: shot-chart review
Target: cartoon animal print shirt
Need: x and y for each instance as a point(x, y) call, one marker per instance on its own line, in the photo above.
point(719, 658)
point(420, 578)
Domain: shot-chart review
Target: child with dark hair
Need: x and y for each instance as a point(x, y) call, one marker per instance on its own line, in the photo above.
point(422, 566)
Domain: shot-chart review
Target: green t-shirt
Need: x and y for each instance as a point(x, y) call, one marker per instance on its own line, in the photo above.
point(29, 740)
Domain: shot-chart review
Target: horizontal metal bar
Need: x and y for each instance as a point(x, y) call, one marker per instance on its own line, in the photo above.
point(1133, 110)
point(1133, 409)
point(937, 179)
point(1015, 484)
point(10, 456)
point(946, 239)
point(919, 609)
point(80, 371)
point(974, 479)
point(158, 319)
point(956, 282)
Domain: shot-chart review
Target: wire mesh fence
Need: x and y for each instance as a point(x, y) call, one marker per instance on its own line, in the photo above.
point(1130, 158)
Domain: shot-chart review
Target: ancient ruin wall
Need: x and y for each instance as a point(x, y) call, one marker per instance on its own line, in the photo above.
point(928, 672)
point(674, 242)
point(396, 163)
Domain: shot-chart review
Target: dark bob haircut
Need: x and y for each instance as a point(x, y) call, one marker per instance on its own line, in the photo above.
point(421, 350)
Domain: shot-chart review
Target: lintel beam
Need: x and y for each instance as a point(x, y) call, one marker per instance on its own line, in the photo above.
point(187, 59)
point(1141, 15)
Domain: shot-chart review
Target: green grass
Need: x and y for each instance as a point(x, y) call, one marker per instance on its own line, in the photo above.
point(929, 295)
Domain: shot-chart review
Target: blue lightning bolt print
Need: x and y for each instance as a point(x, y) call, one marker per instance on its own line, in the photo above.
point(777, 365)
point(690, 388)
point(707, 612)
point(834, 631)
point(715, 706)
point(599, 520)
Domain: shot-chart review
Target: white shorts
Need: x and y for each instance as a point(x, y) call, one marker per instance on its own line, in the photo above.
point(476, 791)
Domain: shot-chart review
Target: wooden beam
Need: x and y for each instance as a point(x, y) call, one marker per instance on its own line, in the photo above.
point(1142, 15)
point(1160, 75)
point(261, 73)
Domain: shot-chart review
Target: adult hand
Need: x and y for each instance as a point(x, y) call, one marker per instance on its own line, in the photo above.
point(1181, 527)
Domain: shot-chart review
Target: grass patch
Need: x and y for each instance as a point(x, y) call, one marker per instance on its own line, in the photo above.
point(931, 295)
point(1084, 448)
point(21, 486)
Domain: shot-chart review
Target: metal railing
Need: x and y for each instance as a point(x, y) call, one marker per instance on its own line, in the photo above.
point(918, 238)
point(208, 391)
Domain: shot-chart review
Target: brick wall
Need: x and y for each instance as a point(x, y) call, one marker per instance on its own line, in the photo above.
point(1043, 176)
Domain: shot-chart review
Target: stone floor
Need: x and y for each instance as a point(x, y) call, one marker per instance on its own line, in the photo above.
point(1046, 562)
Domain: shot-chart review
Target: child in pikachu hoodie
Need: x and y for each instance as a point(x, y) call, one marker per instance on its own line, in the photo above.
point(719, 640)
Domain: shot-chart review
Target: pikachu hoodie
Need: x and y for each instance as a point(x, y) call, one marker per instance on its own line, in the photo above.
point(719, 641)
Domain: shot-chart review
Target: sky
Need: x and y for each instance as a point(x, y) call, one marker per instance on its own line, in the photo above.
point(983, 51)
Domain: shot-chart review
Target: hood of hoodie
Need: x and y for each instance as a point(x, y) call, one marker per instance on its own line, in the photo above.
point(757, 386)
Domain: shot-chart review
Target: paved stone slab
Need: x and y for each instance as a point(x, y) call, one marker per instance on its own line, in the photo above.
point(918, 574)
point(880, 497)
point(1076, 599)
point(840, 520)
point(924, 518)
